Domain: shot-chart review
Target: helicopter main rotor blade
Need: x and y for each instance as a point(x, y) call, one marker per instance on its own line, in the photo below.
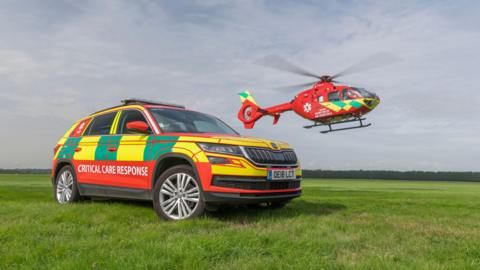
point(374, 61)
point(295, 87)
point(276, 62)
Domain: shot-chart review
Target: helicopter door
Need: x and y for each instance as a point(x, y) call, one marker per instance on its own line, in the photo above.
point(334, 96)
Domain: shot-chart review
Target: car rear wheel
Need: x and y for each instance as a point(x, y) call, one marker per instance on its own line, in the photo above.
point(66, 190)
point(178, 194)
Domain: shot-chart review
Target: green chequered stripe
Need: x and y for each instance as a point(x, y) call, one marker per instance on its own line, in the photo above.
point(154, 148)
point(162, 145)
point(68, 148)
point(339, 103)
point(105, 142)
point(355, 104)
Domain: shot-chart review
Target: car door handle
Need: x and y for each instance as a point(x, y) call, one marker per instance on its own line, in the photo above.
point(78, 149)
point(112, 149)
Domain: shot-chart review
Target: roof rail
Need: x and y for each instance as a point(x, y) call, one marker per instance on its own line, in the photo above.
point(130, 101)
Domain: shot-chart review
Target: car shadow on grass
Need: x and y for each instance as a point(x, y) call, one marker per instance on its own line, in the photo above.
point(249, 213)
point(129, 202)
point(293, 209)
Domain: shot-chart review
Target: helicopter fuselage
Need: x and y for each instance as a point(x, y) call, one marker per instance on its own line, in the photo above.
point(328, 103)
point(324, 103)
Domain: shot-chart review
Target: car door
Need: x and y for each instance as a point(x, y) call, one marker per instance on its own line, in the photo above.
point(131, 168)
point(91, 158)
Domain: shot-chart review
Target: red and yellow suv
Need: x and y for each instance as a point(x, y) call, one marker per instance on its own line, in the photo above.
point(185, 161)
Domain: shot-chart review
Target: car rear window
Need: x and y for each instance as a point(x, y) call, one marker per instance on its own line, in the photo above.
point(101, 124)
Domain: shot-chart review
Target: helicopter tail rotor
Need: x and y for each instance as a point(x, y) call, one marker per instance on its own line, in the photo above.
point(250, 112)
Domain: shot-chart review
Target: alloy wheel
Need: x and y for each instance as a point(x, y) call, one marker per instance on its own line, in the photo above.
point(64, 187)
point(179, 196)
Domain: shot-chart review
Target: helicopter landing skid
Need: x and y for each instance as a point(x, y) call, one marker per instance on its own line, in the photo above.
point(330, 129)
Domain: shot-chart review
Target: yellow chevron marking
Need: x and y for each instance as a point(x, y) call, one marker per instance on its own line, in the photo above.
point(201, 157)
point(192, 147)
point(245, 170)
point(186, 152)
point(88, 146)
point(132, 147)
point(331, 106)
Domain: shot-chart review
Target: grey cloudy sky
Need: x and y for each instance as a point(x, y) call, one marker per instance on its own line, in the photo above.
point(62, 60)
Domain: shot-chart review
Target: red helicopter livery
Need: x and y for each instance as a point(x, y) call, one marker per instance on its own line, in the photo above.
point(326, 103)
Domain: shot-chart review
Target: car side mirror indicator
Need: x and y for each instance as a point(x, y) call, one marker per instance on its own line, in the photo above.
point(138, 126)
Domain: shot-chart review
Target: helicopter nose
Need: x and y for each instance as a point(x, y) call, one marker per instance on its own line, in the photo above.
point(371, 103)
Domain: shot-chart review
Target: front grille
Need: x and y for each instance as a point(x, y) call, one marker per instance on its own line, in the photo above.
point(254, 184)
point(268, 156)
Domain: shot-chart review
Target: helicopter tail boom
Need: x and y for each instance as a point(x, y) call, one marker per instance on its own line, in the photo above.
point(250, 112)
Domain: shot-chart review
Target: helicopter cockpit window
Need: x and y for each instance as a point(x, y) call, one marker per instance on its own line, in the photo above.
point(350, 94)
point(364, 93)
point(334, 96)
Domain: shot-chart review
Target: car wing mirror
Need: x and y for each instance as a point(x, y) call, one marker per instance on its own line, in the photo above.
point(138, 127)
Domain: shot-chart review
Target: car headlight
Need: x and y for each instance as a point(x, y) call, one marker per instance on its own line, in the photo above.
point(221, 148)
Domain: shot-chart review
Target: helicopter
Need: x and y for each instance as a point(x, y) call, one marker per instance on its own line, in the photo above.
point(326, 103)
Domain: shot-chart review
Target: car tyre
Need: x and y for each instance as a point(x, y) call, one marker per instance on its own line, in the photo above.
point(178, 194)
point(65, 188)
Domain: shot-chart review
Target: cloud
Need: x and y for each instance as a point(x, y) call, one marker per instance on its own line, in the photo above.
point(63, 60)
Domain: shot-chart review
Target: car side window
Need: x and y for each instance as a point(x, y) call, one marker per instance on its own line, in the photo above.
point(101, 124)
point(128, 116)
point(334, 96)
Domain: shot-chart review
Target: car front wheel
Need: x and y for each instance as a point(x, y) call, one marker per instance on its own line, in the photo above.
point(178, 194)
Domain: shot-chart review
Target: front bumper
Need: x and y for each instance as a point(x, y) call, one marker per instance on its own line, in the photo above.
point(255, 183)
point(250, 190)
point(242, 182)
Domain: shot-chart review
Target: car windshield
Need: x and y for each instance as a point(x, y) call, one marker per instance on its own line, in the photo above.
point(183, 121)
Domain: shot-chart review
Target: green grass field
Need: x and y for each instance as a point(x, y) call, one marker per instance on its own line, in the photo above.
point(336, 224)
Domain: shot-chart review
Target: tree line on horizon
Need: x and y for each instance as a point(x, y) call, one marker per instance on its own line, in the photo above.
point(394, 175)
point(25, 171)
